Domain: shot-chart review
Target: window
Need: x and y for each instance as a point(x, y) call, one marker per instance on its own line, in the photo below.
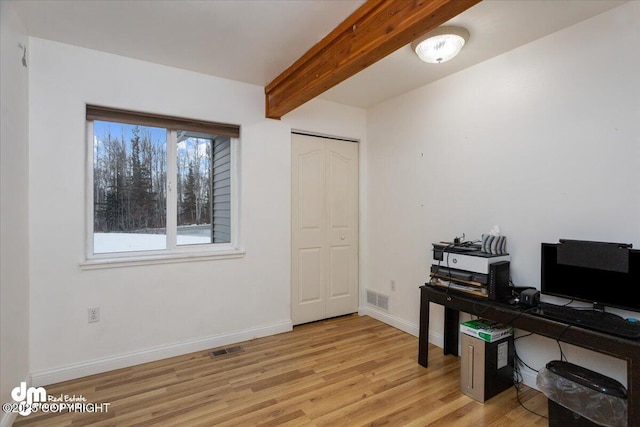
point(161, 185)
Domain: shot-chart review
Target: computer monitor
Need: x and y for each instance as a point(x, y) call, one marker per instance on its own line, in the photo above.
point(600, 273)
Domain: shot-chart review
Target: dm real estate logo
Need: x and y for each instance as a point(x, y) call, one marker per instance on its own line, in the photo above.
point(35, 399)
point(26, 399)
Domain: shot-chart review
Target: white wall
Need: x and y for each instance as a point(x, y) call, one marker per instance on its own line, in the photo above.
point(14, 267)
point(330, 119)
point(543, 140)
point(149, 312)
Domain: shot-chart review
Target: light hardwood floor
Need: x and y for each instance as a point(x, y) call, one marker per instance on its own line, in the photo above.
point(346, 371)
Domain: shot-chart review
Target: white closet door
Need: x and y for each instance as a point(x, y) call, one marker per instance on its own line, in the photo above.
point(324, 231)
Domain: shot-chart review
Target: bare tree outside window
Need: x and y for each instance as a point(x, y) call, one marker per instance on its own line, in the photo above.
point(131, 187)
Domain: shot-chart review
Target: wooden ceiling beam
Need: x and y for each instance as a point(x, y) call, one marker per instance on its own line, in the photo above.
point(376, 29)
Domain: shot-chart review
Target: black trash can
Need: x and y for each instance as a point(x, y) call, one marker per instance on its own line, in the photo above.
point(579, 397)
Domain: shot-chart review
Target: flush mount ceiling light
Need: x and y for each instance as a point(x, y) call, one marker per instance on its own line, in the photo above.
point(441, 44)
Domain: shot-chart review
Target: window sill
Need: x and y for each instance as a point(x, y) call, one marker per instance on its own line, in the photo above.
point(166, 258)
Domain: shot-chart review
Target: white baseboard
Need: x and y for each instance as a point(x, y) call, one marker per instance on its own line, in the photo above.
point(91, 367)
point(78, 370)
point(390, 320)
point(529, 379)
point(436, 339)
point(7, 419)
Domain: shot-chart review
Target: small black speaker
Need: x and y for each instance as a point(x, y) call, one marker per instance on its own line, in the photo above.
point(530, 297)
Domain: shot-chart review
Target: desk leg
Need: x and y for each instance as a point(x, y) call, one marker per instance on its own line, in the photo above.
point(423, 336)
point(451, 326)
point(633, 389)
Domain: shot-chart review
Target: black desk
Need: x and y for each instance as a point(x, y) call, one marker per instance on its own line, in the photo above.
point(455, 302)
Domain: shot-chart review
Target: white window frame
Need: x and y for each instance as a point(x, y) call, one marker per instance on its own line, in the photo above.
point(174, 252)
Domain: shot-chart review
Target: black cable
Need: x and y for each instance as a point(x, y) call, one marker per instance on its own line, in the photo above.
point(517, 360)
point(530, 410)
point(562, 355)
point(517, 373)
point(516, 353)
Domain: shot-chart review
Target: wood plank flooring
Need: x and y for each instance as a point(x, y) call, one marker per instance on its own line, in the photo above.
point(346, 371)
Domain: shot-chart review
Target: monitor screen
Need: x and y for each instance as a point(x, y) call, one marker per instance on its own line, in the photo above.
point(595, 272)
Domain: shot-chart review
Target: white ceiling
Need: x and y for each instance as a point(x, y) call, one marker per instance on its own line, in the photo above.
point(253, 41)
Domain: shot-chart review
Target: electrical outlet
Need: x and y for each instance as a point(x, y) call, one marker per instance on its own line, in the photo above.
point(94, 314)
point(393, 285)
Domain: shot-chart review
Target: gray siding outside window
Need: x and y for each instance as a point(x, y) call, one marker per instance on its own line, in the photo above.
point(222, 190)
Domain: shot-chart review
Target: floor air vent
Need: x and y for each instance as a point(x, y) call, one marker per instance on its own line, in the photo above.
point(378, 300)
point(225, 351)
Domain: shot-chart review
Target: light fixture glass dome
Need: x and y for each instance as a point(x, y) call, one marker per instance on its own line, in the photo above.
point(441, 44)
